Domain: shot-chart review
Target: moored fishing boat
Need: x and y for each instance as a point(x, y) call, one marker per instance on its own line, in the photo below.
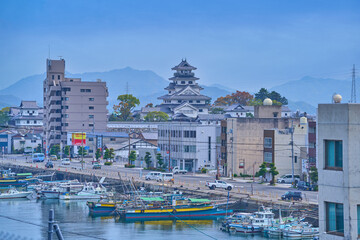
point(88, 192)
point(300, 231)
point(175, 212)
point(254, 224)
point(13, 193)
point(106, 208)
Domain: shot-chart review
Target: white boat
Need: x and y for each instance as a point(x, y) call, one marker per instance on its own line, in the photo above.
point(13, 193)
point(87, 193)
point(52, 193)
point(300, 231)
point(256, 223)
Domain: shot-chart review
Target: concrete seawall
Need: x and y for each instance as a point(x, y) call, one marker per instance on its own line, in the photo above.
point(243, 202)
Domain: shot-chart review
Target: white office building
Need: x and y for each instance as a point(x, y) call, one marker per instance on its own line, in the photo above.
point(191, 146)
point(339, 170)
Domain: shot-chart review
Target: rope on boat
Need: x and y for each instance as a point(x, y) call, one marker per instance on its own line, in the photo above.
point(39, 225)
point(192, 226)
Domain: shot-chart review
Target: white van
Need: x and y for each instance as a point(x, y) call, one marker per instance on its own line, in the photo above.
point(152, 175)
point(166, 177)
point(287, 178)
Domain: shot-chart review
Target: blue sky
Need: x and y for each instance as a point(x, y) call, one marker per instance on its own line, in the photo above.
point(241, 44)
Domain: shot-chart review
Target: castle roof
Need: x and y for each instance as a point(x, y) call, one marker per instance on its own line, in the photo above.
point(184, 65)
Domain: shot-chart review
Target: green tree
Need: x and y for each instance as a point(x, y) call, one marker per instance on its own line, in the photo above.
point(235, 98)
point(82, 151)
point(55, 149)
point(217, 110)
point(274, 96)
point(147, 159)
point(156, 116)
point(127, 103)
point(67, 150)
point(38, 149)
point(273, 172)
point(132, 157)
point(113, 117)
point(4, 117)
point(262, 170)
point(98, 153)
point(313, 175)
point(107, 154)
point(111, 153)
point(160, 160)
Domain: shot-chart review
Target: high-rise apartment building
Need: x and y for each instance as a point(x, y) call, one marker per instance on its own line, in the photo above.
point(71, 105)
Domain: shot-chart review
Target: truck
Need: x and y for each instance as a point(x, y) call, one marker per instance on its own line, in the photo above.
point(177, 170)
point(219, 184)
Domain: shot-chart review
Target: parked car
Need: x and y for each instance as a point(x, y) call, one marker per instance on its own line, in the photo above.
point(53, 158)
point(297, 196)
point(219, 184)
point(65, 161)
point(177, 170)
point(306, 186)
point(49, 164)
point(287, 178)
point(152, 175)
point(165, 177)
point(96, 166)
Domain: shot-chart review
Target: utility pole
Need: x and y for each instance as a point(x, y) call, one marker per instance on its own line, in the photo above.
point(93, 132)
point(232, 149)
point(292, 151)
point(129, 147)
point(82, 150)
point(353, 86)
point(169, 148)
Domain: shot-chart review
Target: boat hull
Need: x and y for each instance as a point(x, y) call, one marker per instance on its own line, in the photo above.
point(79, 197)
point(174, 214)
point(16, 195)
point(102, 208)
point(50, 194)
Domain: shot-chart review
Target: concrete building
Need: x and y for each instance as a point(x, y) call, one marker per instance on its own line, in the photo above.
point(237, 110)
point(277, 148)
point(184, 93)
point(338, 131)
point(312, 143)
point(243, 138)
point(71, 105)
point(27, 115)
point(26, 143)
point(190, 146)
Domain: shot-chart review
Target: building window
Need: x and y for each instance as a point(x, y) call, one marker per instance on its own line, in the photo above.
point(333, 154)
point(82, 90)
point(91, 139)
point(66, 115)
point(58, 77)
point(268, 142)
point(198, 101)
point(191, 148)
point(35, 121)
point(66, 99)
point(91, 124)
point(179, 101)
point(91, 116)
point(27, 121)
point(190, 82)
point(190, 101)
point(52, 77)
point(358, 219)
point(334, 218)
point(66, 107)
point(91, 107)
point(91, 99)
point(200, 110)
point(182, 82)
point(66, 124)
point(268, 157)
point(113, 139)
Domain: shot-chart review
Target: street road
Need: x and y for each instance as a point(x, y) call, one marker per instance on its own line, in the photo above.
point(189, 179)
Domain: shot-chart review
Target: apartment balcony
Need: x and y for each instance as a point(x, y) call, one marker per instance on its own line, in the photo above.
point(55, 115)
point(54, 124)
point(54, 98)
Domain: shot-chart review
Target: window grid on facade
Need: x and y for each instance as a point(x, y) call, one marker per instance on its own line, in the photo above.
point(334, 218)
point(268, 157)
point(268, 142)
point(333, 154)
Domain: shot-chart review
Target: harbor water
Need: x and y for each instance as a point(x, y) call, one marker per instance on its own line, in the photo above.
point(28, 219)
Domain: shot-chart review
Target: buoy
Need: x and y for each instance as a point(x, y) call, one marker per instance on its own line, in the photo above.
point(36, 166)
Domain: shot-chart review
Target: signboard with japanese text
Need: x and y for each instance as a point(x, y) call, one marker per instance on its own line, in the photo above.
point(78, 139)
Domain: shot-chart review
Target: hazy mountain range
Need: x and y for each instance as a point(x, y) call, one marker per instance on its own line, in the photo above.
point(303, 94)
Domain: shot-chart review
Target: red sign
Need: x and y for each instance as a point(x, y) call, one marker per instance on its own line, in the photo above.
point(78, 139)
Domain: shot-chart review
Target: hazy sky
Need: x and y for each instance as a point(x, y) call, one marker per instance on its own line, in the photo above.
point(240, 44)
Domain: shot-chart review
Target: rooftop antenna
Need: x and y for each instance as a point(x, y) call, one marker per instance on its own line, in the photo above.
point(353, 86)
